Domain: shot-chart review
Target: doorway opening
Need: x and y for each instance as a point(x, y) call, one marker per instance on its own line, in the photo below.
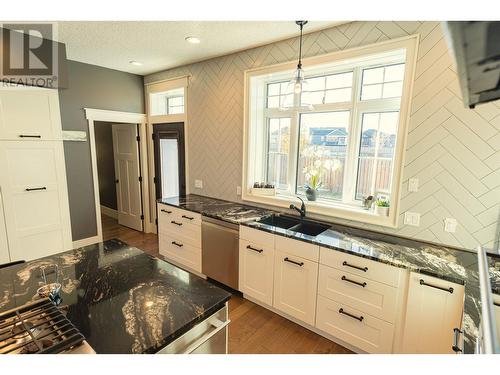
point(119, 173)
point(169, 160)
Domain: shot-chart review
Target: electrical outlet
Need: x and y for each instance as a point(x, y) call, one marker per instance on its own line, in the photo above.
point(198, 184)
point(450, 225)
point(412, 218)
point(238, 190)
point(413, 185)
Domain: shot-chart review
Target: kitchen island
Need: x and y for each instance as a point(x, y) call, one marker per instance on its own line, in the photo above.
point(120, 298)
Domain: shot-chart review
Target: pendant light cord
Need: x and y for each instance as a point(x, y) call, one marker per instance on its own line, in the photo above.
point(300, 47)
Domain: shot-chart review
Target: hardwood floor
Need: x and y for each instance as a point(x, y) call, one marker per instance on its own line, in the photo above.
point(253, 329)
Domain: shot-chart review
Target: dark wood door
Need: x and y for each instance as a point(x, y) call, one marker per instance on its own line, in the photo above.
point(170, 159)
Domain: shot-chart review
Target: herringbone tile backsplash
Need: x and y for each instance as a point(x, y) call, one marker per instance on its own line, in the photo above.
point(453, 151)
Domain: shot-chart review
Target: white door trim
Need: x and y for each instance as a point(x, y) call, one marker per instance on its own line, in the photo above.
point(93, 115)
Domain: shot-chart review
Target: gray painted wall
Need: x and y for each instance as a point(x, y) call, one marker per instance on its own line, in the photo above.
point(105, 163)
point(91, 86)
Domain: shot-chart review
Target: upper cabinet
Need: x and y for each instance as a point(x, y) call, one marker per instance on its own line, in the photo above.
point(28, 113)
point(433, 310)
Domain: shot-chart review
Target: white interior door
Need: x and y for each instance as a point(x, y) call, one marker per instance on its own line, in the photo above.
point(128, 189)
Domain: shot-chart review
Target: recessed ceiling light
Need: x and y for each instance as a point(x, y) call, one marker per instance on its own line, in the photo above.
point(193, 40)
point(136, 63)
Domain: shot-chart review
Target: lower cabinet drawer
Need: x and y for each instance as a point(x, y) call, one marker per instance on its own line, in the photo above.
point(190, 232)
point(180, 252)
point(371, 297)
point(354, 327)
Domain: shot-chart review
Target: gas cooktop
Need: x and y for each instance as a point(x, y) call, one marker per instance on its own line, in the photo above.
point(39, 327)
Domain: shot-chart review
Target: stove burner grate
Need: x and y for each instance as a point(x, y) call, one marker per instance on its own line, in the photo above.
point(37, 327)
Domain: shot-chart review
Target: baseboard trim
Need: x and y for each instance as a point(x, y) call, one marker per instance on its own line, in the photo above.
point(307, 326)
point(109, 212)
point(86, 241)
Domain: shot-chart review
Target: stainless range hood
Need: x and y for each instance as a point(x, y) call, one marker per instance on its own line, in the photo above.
point(476, 48)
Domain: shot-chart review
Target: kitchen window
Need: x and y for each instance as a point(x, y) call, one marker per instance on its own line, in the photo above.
point(351, 141)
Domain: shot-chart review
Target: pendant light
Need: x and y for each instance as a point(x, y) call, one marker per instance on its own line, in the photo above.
point(294, 98)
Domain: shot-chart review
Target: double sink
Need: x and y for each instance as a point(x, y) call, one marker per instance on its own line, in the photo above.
point(294, 224)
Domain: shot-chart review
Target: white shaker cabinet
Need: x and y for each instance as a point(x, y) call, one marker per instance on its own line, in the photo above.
point(434, 309)
point(35, 198)
point(29, 113)
point(295, 286)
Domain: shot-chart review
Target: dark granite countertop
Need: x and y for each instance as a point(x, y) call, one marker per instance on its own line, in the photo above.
point(121, 299)
point(232, 212)
point(459, 266)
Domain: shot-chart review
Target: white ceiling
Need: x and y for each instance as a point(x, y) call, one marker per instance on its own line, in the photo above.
point(161, 45)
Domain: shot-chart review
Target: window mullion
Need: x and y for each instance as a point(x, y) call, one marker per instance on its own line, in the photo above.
point(293, 153)
point(350, 174)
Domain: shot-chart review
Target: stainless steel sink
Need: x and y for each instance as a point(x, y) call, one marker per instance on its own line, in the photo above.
point(295, 224)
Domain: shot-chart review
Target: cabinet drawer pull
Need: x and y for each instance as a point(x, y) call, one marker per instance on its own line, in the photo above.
point(354, 282)
point(176, 223)
point(177, 244)
point(166, 211)
point(35, 189)
point(255, 249)
point(360, 318)
point(456, 334)
point(294, 262)
point(29, 136)
point(187, 217)
point(450, 289)
point(364, 269)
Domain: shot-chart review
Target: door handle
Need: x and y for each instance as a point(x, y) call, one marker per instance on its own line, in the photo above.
point(35, 189)
point(360, 318)
point(254, 249)
point(294, 262)
point(343, 278)
point(364, 269)
point(449, 290)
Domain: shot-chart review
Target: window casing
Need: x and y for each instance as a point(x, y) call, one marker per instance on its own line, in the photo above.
point(354, 134)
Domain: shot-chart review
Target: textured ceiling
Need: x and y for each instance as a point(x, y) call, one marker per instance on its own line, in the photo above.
point(161, 45)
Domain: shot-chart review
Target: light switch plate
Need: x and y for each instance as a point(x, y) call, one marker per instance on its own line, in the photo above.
point(198, 184)
point(413, 184)
point(450, 225)
point(412, 218)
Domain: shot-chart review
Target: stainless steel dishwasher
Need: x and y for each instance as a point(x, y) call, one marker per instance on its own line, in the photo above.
point(219, 244)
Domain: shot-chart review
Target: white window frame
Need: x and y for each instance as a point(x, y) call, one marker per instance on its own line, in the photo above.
point(253, 135)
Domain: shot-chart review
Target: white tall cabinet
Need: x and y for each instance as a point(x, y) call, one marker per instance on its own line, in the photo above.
point(34, 205)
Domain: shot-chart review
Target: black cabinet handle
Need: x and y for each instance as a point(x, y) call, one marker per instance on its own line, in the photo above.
point(354, 282)
point(166, 211)
point(177, 244)
point(360, 318)
point(176, 223)
point(450, 289)
point(364, 269)
point(456, 334)
point(254, 249)
point(35, 189)
point(29, 136)
point(294, 262)
point(187, 217)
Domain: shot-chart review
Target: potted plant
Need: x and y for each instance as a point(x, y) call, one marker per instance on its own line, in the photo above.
point(382, 207)
point(313, 185)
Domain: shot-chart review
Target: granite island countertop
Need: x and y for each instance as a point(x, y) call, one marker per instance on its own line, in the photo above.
point(455, 265)
point(121, 299)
